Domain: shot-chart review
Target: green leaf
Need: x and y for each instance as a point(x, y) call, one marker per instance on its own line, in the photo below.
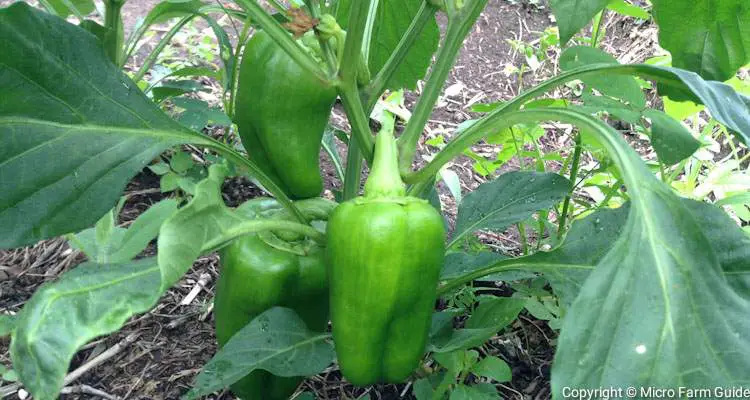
point(74, 128)
point(457, 361)
point(169, 182)
point(7, 323)
point(622, 87)
point(490, 317)
point(391, 22)
point(711, 38)
point(168, 89)
point(181, 162)
point(10, 376)
point(616, 108)
point(89, 301)
point(671, 140)
point(461, 263)
point(183, 236)
point(573, 15)
point(423, 389)
point(159, 168)
point(494, 368)
point(512, 197)
point(63, 7)
point(624, 8)
point(276, 341)
point(463, 392)
point(143, 230)
point(657, 307)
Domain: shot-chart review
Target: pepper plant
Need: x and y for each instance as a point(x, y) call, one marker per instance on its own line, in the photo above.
point(653, 293)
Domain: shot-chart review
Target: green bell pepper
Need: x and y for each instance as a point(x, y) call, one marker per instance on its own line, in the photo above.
point(260, 271)
point(281, 113)
point(385, 251)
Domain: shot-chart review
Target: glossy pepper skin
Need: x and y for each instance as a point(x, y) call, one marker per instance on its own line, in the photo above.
point(281, 112)
point(385, 251)
point(262, 271)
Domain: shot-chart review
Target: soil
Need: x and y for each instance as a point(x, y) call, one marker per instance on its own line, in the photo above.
point(166, 347)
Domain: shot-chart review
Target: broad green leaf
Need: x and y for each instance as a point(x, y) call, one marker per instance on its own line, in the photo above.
point(89, 301)
point(461, 263)
point(183, 236)
point(512, 197)
point(173, 89)
point(724, 103)
point(494, 368)
point(160, 168)
point(65, 8)
point(124, 244)
point(614, 107)
point(457, 361)
point(423, 389)
point(7, 323)
point(490, 317)
point(276, 341)
point(181, 162)
point(169, 182)
point(624, 8)
point(573, 15)
point(74, 128)
point(463, 392)
point(587, 241)
point(709, 37)
point(391, 22)
point(657, 308)
point(622, 87)
point(671, 140)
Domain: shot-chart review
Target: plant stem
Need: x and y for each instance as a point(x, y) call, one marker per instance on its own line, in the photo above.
point(610, 194)
point(459, 26)
point(353, 174)
point(573, 176)
point(358, 15)
point(113, 22)
point(358, 119)
point(256, 172)
point(241, 43)
point(599, 22)
point(376, 88)
point(369, 27)
point(522, 164)
point(516, 264)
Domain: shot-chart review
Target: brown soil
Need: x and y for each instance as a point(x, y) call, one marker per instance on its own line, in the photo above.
point(174, 341)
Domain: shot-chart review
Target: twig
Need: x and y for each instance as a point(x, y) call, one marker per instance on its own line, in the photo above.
point(111, 352)
point(86, 389)
point(200, 285)
point(78, 372)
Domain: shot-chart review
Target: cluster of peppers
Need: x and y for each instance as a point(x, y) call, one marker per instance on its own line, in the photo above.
point(377, 275)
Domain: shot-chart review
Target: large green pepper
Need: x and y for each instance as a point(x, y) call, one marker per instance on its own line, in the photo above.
point(260, 271)
point(281, 112)
point(385, 251)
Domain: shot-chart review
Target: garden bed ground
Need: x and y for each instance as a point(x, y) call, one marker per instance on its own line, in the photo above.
point(163, 350)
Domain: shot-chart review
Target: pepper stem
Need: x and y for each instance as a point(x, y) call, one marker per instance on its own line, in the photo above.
point(384, 179)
